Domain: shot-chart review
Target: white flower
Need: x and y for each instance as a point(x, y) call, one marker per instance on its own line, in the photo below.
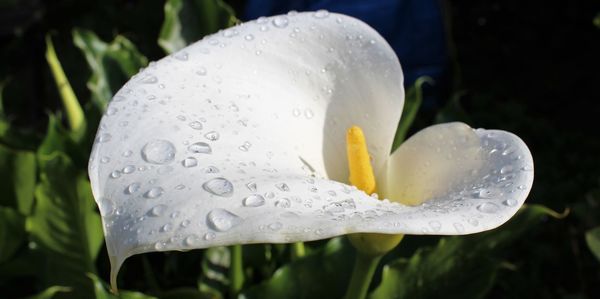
point(240, 138)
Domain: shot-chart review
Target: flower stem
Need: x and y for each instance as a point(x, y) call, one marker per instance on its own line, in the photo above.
point(297, 250)
point(364, 268)
point(236, 271)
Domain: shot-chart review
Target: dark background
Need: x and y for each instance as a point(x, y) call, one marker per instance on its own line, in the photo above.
point(529, 67)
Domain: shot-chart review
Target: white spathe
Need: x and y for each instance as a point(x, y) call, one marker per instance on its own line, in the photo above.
point(240, 138)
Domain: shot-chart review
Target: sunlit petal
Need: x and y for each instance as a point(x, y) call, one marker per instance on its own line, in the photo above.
point(214, 144)
point(468, 180)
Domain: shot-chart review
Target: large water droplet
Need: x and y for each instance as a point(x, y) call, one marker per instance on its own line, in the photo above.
point(158, 152)
point(157, 210)
point(280, 21)
point(251, 186)
point(154, 192)
point(219, 187)
point(189, 162)
point(115, 174)
point(510, 202)
point(200, 148)
point(487, 207)
point(254, 200)
point(222, 220)
point(190, 240)
point(283, 187)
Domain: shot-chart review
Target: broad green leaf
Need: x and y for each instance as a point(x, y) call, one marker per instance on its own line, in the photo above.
point(215, 271)
point(17, 179)
point(50, 292)
point(412, 102)
point(12, 232)
point(458, 267)
point(64, 224)
point(112, 64)
point(321, 274)
point(592, 237)
point(187, 21)
point(70, 103)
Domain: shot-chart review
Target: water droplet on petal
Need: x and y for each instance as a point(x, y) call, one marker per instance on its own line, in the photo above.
point(115, 174)
point(167, 227)
point(487, 207)
point(104, 160)
point(209, 236)
point(280, 21)
point(104, 138)
point(222, 220)
point(111, 111)
point(132, 188)
point(219, 186)
point(283, 203)
point(321, 14)
point(154, 192)
point(182, 56)
point(150, 79)
point(196, 125)
point(459, 227)
point(201, 71)
point(157, 210)
point(506, 169)
point(275, 226)
point(190, 240)
point(254, 200)
point(251, 186)
point(283, 187)
point(189, 162)
point(158, 152)
point(200, 148)
point(249, 37)
point(435, 225)
point(128, 169)
point(212, 136)
point(211, 169)
point(510, 202)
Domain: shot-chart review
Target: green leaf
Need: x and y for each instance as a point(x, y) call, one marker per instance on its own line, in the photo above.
point(321, 274)
point(17, 179)
point(101, 291)
point(412, 102)
point(64, 224)
point(50, 292)
point(458, 267)
point(12, 232)
point(215, 271)
point(71, 105)
point(592, 237)
point(112, 64)
point(187, 21)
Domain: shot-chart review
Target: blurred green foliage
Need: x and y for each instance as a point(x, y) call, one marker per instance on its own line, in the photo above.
point(51, 242)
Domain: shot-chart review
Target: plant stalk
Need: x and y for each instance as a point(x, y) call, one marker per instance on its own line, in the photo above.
point(297, 250)
point(236, 271)
point(364, 268)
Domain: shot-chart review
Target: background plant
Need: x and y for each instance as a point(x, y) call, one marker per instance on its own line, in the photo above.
point(541, 85)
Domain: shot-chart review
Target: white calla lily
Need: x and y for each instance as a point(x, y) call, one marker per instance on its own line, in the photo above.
point(240, 138)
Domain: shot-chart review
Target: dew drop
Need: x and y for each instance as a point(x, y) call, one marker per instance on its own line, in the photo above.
point(510, 202)
point(132, 188)
point(167, 227)
point(209, 236)
point(245, 147)
point(115, 174)
point(128, 169)
point(254, 200)
point(150, 79)
point(321, 14)
point(222, 220)
point(275, 226)
point(181, 56)
point(459, 227)
point(104, 160)
point(487, 207)
point(249, 37)
point(190, 240)
point(157, 210)
point(104, 138)
point(111, 111)
point(219, 186)
point(251, 186)
point(196, 125)
point(280, 21)
point(158, 152)
point(154, 192)
point(127, 153)
point(506, 169)
point(185, 223)
point(200, 148)
point(283, 203)
point(212, 136)
point(283, 187)
point(189, 162)
point(508, 151)
point(201, 71)
point(435, 225)
point(211, 169)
